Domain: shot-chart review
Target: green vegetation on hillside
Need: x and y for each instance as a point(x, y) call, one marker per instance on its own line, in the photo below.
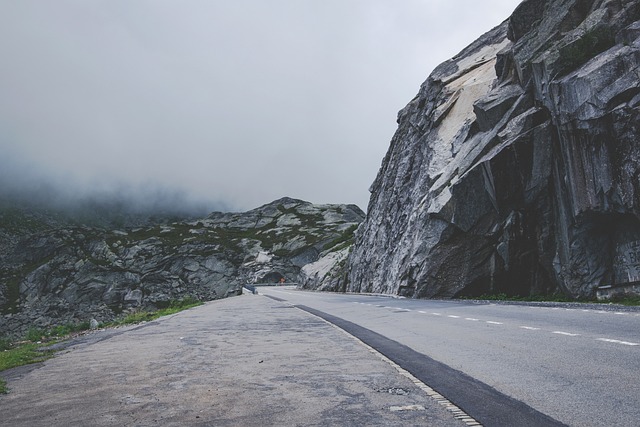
point(343, 240)
point(17, 221)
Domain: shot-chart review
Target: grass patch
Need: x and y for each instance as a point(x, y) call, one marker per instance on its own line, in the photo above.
point(28, 352)
point(529, 298)
point(69, 328)
point(625, 300)
point(22, 354)
point(5, 344)
point(19, 355)
point(622, 300)
point(36, 334)
point(146, 316)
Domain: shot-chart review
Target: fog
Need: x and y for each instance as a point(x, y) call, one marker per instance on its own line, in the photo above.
point(219, 105)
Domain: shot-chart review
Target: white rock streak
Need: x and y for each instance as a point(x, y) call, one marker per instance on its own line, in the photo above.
point(474, 79)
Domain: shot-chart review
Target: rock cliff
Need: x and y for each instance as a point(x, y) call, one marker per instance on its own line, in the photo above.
point(516, 167)
point(54, 271)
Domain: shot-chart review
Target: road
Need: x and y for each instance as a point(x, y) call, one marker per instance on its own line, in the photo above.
point(243, 361)
point(579, 366)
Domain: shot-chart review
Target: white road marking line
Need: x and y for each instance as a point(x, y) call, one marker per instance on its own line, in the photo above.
point(620, 313)
point(407, 408)
point(491, 322)
point(617, 341)
point(453, 317)
point(436, 314)
point(569, 334)
point(472, 319)
point(529, 328)
point(423, 312)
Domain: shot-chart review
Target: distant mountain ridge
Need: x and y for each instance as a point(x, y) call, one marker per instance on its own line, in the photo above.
point(55, 269)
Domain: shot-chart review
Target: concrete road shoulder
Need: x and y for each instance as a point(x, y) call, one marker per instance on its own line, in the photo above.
point(242, 361)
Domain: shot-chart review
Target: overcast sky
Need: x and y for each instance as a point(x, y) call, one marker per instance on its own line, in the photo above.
point(234, 103)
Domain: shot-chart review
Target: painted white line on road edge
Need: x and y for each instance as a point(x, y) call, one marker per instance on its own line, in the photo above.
point(617, 341)
point(453, 317)
point(530, 328)
point(407, 408)
point(440, 399)
point(491, 322)
point(568, 334)
point(472, 319)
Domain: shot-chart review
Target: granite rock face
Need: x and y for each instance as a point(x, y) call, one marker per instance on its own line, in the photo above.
point(516, 168)
point(54, 272)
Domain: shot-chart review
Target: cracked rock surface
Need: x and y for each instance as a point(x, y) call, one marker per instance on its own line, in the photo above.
point(516, 167)
point(54, 272)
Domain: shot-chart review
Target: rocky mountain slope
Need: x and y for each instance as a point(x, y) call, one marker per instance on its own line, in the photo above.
point(516, 167)
point(54, 271)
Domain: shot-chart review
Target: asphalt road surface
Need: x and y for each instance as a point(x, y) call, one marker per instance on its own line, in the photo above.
point(579, 365)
